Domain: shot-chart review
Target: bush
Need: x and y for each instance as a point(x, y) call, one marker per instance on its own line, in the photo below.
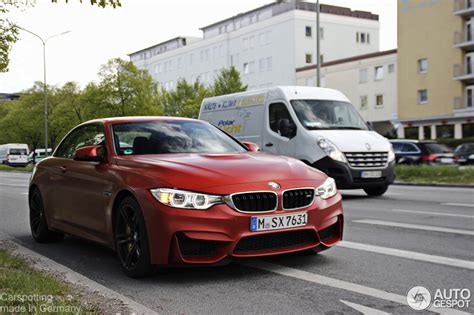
point(432, 174)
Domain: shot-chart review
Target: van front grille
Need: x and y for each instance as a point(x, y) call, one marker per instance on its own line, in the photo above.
point(255, 201)
point(367, 159)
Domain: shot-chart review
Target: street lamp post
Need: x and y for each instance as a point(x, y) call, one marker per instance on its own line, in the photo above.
point(44, 41)
point(318, 51)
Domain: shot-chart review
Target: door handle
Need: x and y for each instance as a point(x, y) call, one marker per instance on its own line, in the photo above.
point(63, 169)
point(269, 144)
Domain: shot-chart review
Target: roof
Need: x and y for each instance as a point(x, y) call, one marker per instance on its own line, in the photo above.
point(162, 43)
point(350, 59)
point(306, 6)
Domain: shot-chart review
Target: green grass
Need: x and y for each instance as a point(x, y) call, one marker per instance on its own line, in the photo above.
point(24, 290)
point(435, 174)
point(27, 168)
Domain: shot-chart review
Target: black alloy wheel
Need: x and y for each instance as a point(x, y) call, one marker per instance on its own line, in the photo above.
point(38, 223)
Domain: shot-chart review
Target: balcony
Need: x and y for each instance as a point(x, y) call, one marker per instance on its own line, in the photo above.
point(463, 73)
point(462, 107)
point(464, 40)
point(463, 7)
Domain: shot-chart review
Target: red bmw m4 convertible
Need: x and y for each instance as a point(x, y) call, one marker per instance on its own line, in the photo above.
point(173, 191)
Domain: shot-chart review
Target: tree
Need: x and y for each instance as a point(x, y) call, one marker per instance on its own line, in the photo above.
point(185, 101)
point(9, 32)
point(228, 81)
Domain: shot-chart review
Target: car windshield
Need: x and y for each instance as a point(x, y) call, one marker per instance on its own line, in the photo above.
point(325, 114)
point(465, 148)
point(17, 151)
point(158, 137)
point(437, 148)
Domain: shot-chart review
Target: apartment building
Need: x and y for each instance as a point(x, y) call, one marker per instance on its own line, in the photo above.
point(436, 68)
point(369, 81)
point(266, 44)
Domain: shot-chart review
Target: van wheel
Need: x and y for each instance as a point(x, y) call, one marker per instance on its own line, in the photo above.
point(131, 240)
point(376, 191)
point(38, 224)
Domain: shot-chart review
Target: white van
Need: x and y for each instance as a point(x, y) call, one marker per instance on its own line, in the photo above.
point(318, 126)
point(38, 154)
point(14, 154)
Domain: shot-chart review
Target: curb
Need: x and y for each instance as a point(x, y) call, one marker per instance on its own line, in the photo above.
point(434, 185)
point(48, 265)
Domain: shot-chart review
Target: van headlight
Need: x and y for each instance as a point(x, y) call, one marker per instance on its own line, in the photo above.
point(331, 150)
point(185, 199)
point(391, 155)
point(327, 189)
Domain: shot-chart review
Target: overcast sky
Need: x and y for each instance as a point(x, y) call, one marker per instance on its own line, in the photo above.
point(98, 35)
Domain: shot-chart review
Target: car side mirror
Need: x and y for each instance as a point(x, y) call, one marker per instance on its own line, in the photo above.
point(370, 125)
point(286, 128)
point(253, 147)
point(93, 153)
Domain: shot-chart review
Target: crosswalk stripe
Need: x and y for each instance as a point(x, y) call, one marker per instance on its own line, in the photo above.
point(409, 254)
point(470, 205)
point(336, 283)
point(415, 226)
point(364, 309)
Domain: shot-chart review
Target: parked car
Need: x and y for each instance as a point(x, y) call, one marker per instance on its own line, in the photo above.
point(422, 151)
point(316, 125)
point(37, 155)
point(14, 154)
point(174, 191)
point(465, 153)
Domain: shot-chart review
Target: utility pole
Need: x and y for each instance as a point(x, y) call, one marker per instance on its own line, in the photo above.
point(318, 51)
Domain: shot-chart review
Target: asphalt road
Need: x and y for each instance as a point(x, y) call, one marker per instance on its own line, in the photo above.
point(411, 236)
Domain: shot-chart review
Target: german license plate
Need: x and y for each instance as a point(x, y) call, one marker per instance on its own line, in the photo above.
point(371, 174)
point(277, 222)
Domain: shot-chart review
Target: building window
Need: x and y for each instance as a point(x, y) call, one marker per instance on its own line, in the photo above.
point(357, 37)
point(246, 68)
point(423, 65)
point(427, 132)
point(378, 73)
point(368, 38)
point(309, 58)
point(308, 31)
point(468, 130)
point(378, 100)
point(269, 63)
point(321, 33)
point(391, 68)
point(261, 64)
point(445, 131)
point(422, 96)
point(363, 76)
point(411, 133)
point(364, 102)
point(251, 66)
point(362, 38)
point(252, 42)
point(245, 43)
point(469, 96)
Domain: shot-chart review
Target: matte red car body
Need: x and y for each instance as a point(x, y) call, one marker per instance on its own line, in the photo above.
point(80, 197)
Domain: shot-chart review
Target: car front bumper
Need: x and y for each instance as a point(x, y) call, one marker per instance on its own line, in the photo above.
point(350, 178)
point(180, 236)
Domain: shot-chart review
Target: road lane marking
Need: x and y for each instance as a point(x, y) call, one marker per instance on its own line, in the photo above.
point(336, 283)
point(415, 226)
point(452, 262)
point(11, 185)
point(435, 213)
point(458, 204)
point(364, 309)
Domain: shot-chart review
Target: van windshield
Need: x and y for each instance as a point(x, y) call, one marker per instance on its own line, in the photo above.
point(325, 114)
point(17, 151)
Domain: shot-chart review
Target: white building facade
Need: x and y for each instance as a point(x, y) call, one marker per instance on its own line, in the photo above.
point(266, 45)
point(369, 81)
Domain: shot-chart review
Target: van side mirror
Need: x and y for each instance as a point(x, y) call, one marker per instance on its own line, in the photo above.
point(286, 128)
point(370, 125)
point(253, 147)
point(93, 153)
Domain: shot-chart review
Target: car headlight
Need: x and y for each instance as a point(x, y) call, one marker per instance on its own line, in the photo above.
point(185, 199)
point(331, 150)
point(391, 155)
point(327, 189)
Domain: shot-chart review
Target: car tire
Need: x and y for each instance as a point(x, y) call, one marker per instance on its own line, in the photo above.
point(131, 239)
point(38, 224)
point(376, 191)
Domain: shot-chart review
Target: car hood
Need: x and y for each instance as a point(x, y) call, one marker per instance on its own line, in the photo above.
point(356, 140)
point(197, 171)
